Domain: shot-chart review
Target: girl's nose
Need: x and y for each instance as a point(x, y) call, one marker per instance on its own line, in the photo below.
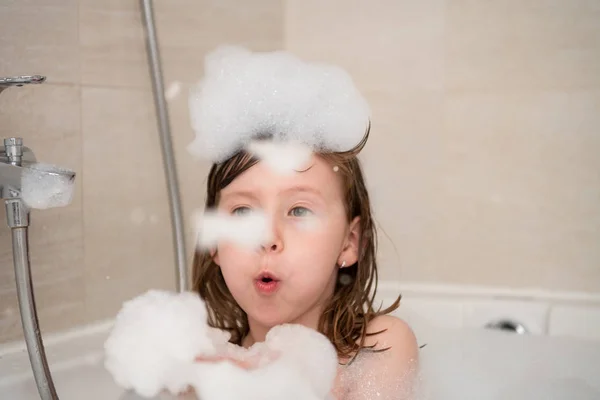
point(273, 246)
point(275, 243)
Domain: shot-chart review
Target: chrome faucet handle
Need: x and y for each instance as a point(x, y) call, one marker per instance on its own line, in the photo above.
point(15, 153)
point(13, 148)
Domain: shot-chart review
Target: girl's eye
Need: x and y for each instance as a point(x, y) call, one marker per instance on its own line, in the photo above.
point(241, 211)
point(300, 212)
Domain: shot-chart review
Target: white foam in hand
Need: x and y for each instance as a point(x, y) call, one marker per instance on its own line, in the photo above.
point(304, 368)
point(275, 381)
point(308, 352)
point(155, 339)
point(158, 335)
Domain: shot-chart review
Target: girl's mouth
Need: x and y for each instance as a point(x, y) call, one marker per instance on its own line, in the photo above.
point(266, 283)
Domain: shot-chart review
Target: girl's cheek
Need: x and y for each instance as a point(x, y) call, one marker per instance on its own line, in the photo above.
point(234, 253)
point(310, 224)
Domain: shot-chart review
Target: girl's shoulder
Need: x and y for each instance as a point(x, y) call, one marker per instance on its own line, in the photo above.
point(399, 354)
point(386, 375)
point(387, 331)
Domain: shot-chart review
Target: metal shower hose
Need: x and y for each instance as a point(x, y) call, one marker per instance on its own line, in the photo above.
point(166, 144)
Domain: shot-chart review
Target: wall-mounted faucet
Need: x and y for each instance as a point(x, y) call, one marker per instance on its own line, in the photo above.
point(17, 166)
point(21, 178)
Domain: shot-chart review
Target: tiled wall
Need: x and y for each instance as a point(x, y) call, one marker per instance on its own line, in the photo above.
point(484, 146)
point(96, 116)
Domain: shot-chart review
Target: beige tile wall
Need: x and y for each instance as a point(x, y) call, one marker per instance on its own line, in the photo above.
point(484, 145)
point(43, 39)
point(96, 116)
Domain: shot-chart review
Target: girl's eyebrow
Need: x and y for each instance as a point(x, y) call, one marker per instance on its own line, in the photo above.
point(252, 194)
point(303, 189)
point(240, 193)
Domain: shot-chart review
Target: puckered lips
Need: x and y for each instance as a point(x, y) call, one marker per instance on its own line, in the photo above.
point(266, 283)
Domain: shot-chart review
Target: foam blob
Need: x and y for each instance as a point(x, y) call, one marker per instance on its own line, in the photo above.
point(155, 338)
point(250, 230)
point(158, 335)
point(284, 158)
point(224, 381)
point(246, 95)
point(173, 90)
point(305, 369)
point(308, 352)
point(46, 186)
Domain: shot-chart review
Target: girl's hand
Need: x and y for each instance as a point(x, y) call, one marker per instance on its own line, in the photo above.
point(213, 359)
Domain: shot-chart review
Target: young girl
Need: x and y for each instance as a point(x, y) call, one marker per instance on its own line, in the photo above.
point(318, 270)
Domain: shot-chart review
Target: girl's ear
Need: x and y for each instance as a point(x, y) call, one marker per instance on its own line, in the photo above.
point(349, 254)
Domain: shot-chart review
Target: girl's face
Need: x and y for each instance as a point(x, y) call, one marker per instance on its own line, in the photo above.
point(288, 279)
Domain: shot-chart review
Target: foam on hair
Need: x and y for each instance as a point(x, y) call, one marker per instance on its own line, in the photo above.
point(246, 95)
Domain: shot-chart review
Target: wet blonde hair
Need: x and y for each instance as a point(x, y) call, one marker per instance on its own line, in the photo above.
point(346, 317)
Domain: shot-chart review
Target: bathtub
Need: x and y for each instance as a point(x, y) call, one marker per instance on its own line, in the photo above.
point(481, 365)
point(458, 362)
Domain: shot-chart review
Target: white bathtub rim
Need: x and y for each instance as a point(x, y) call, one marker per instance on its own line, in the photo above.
point(393, 288)
point(57, 338)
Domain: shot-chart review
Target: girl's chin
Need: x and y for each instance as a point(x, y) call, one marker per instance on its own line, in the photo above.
point(270, 322)
point(268, 319)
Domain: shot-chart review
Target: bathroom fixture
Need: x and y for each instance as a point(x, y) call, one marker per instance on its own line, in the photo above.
point(7, 82)
point(14, 160)
point(508, 326)
point(166, 145)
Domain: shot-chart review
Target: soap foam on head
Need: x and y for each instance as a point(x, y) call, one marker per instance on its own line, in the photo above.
point(46, 186)
point(283, 158)
point(246, 95)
